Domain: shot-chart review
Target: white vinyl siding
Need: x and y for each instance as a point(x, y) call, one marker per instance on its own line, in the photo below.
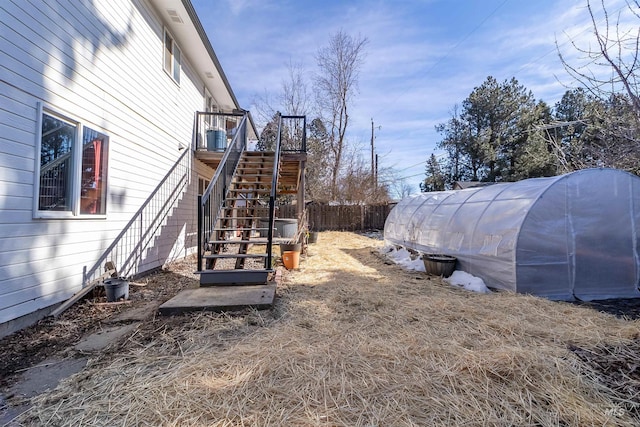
point(96, 62)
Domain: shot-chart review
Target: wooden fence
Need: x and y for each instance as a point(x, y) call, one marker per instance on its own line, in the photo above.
point(341, 217)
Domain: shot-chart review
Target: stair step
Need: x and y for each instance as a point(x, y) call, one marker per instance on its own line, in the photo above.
point(239, 218)
point(265, 183)
point(255, 166)
point(259, 185)
point(241, 229)
point(267, 162)
point(244, 190)
point(233, 277)
point(240, 208)
point(238, 242)
point(217, 256)
point(239, 198)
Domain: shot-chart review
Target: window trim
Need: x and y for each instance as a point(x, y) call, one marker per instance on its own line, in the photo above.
point(171, 72)
point(76, 162)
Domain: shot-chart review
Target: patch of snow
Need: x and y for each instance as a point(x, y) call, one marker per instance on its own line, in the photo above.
point(467, 281)
point(404, 258)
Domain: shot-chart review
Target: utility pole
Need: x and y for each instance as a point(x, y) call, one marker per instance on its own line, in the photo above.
point(374, 165)
point(373, 176)
point(376, 175)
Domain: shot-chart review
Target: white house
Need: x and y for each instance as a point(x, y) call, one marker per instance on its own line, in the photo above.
point(97, 106)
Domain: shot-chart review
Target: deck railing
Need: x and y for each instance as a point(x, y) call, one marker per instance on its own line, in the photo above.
point(212, 200)
point(292, 134)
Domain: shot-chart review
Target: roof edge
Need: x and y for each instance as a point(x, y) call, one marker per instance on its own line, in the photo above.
point(207, 44)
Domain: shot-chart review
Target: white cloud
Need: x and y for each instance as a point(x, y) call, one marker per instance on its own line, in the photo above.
point(423, 57)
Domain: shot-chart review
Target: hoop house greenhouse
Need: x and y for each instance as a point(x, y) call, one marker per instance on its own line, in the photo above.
point(567, 237)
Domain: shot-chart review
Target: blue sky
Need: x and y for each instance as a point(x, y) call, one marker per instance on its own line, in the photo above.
point(423, 57)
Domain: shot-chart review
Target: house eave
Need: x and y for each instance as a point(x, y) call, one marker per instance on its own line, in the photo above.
point(195, 45)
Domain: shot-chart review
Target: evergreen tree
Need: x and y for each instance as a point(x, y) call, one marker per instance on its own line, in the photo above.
point(435, 179)
point(488, 140)
point(269, 135)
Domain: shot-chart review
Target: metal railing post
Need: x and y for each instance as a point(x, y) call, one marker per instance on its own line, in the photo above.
point(200, 229)
point(272, 195)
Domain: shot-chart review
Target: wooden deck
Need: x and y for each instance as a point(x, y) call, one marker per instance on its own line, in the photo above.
point(291, 167)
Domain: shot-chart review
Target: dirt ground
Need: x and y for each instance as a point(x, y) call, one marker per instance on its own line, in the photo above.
point(338, 278)
point(50, 336)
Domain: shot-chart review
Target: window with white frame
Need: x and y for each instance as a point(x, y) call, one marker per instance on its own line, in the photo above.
point(172, 57)
point(72, 178)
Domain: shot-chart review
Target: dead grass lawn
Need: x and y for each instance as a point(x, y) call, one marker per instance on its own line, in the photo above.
point(353, 341)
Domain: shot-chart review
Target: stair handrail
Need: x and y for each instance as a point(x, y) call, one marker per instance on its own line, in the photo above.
point(273, 193)
point(124, 264)
point(212, 199)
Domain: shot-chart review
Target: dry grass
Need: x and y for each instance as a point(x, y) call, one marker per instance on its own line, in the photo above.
point(353, 341)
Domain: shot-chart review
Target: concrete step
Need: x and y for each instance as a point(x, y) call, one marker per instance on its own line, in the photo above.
point(221, 298)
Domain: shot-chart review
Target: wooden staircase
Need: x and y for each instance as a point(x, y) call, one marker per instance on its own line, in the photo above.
point(237, 253)
point(234, 237)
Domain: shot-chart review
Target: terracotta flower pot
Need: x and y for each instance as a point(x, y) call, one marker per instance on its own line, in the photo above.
point(291, 259)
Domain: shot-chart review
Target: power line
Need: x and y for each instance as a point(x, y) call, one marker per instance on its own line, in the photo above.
point(569, 40)
point(412, 166)
point(412, 176)
point(422, 162)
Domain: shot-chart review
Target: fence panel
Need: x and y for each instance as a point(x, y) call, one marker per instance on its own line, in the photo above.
point(338, 217)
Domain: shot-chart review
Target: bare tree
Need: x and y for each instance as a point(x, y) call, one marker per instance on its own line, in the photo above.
point(336, 83)
point(294, 97)
point(616, 50)
point(354, 183)
point(395, 185)
point(610, 72)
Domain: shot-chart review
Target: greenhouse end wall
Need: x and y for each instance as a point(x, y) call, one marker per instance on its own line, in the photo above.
point(565, 237)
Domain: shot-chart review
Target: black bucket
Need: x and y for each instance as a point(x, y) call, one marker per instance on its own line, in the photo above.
point(116, 289)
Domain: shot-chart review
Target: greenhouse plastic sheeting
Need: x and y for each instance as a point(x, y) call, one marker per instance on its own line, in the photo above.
point(567, 237)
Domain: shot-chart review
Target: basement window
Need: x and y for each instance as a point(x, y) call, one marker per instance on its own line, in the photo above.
point(172, 57)
point(72, 168)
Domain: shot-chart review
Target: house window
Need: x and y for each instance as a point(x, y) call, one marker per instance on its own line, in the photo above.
point(72, 169)
point(56, 164)
point(172, 57)
point(93, 194)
